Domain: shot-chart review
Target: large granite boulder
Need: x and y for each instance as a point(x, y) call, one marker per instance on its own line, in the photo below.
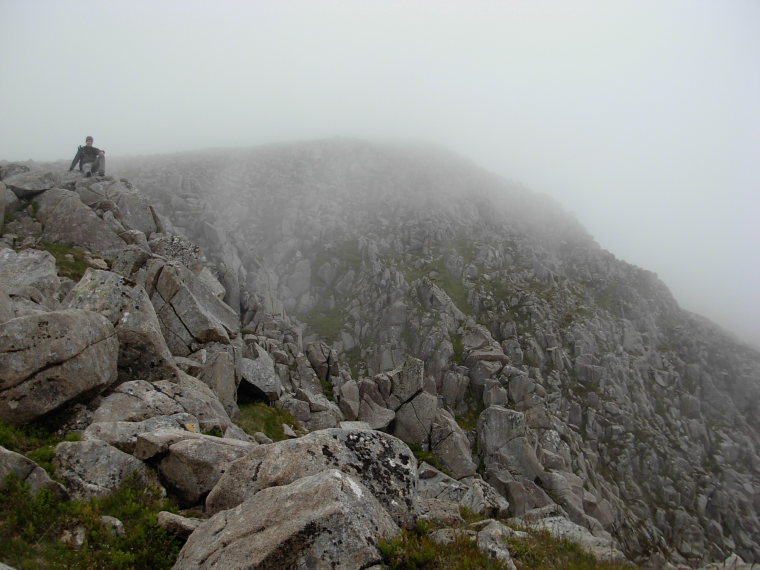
point(383, 463)
point(29, 184)
point(190, 463)
point(92, 468)
point(142, 349)
point(67, 220)
point(49, 359)
point(130, 207)
point(323, 521)
point(189, 311)
point(30, 268)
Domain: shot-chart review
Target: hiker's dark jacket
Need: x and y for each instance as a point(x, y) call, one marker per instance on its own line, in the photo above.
point(85, 154)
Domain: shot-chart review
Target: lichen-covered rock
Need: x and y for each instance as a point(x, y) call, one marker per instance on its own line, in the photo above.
point(322, 521)
point(92, 468)
point(49, 359)
point(384, 464)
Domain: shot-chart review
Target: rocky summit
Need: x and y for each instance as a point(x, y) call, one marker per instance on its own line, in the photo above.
point(442, 339)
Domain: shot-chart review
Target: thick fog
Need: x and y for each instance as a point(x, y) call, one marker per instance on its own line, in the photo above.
point(640, 117)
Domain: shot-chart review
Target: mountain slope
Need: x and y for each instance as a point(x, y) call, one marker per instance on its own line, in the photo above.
point(579, 379)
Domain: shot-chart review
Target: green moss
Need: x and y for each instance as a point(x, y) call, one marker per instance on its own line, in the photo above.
point(31, 529)
point(458, 346)
point(327, 323)
point(426, 456)
point(258, 417)
point(542, 551)
point(34, 440)
point(468, 421)
point(414, 549)
point(70, 261)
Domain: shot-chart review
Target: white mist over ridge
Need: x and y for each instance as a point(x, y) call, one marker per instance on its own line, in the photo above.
point(641, 118)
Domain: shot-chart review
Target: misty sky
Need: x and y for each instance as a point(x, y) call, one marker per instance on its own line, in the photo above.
point(641, 117)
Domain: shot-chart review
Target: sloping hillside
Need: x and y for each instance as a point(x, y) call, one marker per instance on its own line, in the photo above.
point(635, 416)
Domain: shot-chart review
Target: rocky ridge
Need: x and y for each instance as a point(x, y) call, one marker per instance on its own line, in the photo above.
point(402, 289)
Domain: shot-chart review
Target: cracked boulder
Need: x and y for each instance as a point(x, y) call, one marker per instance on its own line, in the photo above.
point(49, 359)
point(190, 463)
point(326, 520)
point(382, 463)
point(142, 349)
point(190, 313)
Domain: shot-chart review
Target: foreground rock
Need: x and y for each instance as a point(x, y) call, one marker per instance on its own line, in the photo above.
point(324, 521)
point(49, 359)
point(382, 463)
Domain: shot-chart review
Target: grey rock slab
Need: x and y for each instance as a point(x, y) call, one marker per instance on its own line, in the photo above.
point(67, 220)
point(52, 358)
point(324, 521)
point(178, 525)
point(383, 463)
point(29, 268)
point(92, 468)
point(143, 352)
point(29, 184)
point(414, 420)
point(260, 373)
point(450, 445)
point(191, 464)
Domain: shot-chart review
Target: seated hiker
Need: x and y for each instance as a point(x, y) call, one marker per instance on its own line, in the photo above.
point(90, 159)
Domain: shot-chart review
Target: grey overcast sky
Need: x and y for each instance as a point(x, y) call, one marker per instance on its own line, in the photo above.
point(641, 117)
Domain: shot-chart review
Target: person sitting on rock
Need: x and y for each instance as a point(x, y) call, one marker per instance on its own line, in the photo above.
point(90, 159)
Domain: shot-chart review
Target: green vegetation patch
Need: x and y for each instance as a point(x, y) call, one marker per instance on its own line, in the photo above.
point(542, 551)
point(35, 440)
point(257, 417)
point(414, 549)
point(327, 323)
point(426, 456)
point(31, 529)
point(70, 261)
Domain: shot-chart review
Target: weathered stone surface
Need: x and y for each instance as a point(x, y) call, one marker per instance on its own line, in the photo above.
point(261, 374)
point(123, 434)
point(473, 493)
point(92, 468)
point(406, 382)
point(178, 525)
point(323, 521)
point(142, 349)
point(190, 463)
point(27, 472)
point(450, 445)
point(68, 221)
point(375, 415)
point(219, 374)
point(29, 268)
point(130, 207)
point(188, 310)
point(29, 184)
point(384, 464)
point(49, 359)
point(414, 420)
point(6, 306)
point(138, 400)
